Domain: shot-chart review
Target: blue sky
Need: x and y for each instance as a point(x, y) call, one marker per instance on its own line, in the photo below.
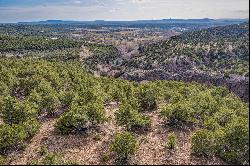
point(32, 10)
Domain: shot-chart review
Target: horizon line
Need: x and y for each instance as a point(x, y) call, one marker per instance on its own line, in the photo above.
point(123, 20)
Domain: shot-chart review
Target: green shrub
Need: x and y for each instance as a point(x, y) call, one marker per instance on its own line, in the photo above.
point(2, 160)
point(15, 112)
point(80, 118)
point(67, 97)
point(10, 136)
point(43, 150)
point(50, 103)
point(173, 97)
point(202, 143)
point(204, 105)
point(73, 121)
point(224, 116)
point(36, 99)
point(95, 112)
point(147, 100)
point(56, 159)
point(178, 113)
point(233, 142)
point(31, 127)
point(52, 159)
point(87, 96)
point(105, 157)
point(220, 92)
point(131, 118)
point(172, 141)
point(211, 124)
point(141, 123)
point(4, 89)
point(124, 145)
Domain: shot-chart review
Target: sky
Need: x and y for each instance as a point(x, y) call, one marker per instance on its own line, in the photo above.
point(85, 10)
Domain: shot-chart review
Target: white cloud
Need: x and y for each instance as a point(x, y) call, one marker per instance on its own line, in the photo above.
point(77, 2)
point(140, 1)
point(113, 10)
point(127, 10)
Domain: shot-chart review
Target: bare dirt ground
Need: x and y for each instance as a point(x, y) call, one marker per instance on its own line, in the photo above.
point(1, 121)
point(90, 149)
point(85, 53)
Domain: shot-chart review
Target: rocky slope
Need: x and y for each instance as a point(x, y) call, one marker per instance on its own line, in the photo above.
point(222, 50)
point(217, 56)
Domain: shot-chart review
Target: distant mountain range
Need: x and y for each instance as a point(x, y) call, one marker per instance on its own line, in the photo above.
point(204, 20)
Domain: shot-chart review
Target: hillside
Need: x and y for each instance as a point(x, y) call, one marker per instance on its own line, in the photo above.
point(222, 50)
point(54, 49)
point(215, 56)
point(57, 113)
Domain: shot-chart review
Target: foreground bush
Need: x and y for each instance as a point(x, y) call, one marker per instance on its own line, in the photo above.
point(124, 145)
point(203, 143)
point(31, 127)
point(147, 99)
point(230, 142)
point(2, 160)
point(233, 142)
point(178, 114)
point(11, 135)
point(15, 112)
point(79, 119)
point(52, 159)
point(128, 116)
point(172, 141)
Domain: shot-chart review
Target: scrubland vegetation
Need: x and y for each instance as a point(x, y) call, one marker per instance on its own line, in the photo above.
point(223, 50)
point(53, 111)
point(33, 89)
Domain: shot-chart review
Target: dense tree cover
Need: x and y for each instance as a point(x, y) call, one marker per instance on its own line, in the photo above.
point(33, 88)
point(35, 30)
point(221, 49)
point(39, 47)
point(62, 49)
point(20, 43)
point(102, 55)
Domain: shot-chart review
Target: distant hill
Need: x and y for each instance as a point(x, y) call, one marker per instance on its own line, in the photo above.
point(163, 21)
point(222, 50)
point(216, 56)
